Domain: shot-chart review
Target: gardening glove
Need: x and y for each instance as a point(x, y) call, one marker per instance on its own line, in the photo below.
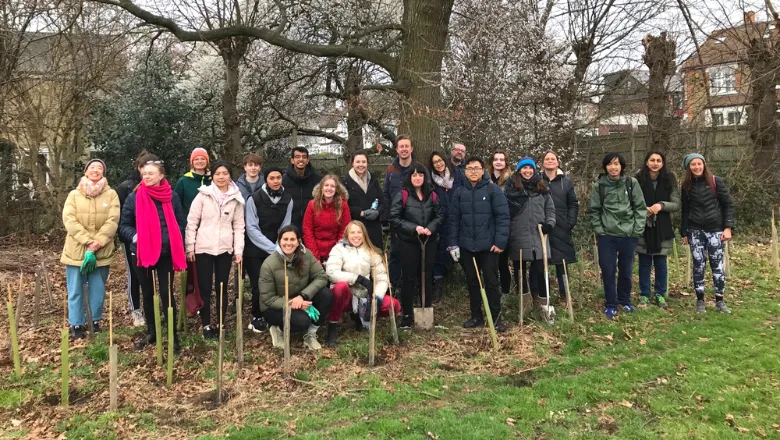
point(455, 254)
point(365, 282)
point(89, 264)
point(313, 313)
point(546, 228)
point(370, 214)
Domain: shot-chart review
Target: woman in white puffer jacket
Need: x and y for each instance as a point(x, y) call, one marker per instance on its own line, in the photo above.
point(350, 266)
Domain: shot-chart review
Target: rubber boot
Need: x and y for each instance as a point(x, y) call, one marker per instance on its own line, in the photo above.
point(333, 334)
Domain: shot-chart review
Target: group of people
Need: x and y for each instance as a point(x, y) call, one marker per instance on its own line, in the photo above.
point(320, 239)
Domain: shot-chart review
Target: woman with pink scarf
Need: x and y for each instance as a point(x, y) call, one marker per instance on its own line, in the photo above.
point(153, 221)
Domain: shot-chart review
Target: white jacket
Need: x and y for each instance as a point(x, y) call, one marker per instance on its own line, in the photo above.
point(346, 262)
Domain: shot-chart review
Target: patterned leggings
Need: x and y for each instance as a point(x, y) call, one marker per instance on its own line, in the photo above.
point(710, 243)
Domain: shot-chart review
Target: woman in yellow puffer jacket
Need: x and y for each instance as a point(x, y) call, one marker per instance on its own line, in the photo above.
point(91, 217)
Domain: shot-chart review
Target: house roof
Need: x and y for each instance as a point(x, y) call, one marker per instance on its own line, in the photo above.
point(728, 45)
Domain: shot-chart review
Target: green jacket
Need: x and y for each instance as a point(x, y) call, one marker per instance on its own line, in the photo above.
point(187, 188)
point(311, 279)
point(616, 217)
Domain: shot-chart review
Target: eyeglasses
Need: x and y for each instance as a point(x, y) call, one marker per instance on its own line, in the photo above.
point(473, 169)
point(460, 150)
point(437, 161)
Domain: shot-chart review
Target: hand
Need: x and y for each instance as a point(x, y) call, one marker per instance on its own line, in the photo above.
point(238, 259)
point(496, 249)
point(370, 214)
point(546, 228)
point(455, 254)
point(191, 257)
point(420, 230)
point(428, 231)
point(365, 282)
point(298, 303)
point(685, 241)
point(658, 207)
point(94, 246)
point(726, 236)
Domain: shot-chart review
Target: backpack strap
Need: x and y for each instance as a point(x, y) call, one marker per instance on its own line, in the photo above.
point(714, 186)
point(404, 197)
point(629, 190)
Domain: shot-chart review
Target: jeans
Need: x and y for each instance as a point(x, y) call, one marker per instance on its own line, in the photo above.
point(488, 264)
point(299, 319)
point(96, 288)
point(616, 255)
point(443, 261)
point(646, 263)
point(218, 268)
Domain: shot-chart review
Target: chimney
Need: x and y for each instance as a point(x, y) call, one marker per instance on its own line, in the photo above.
point(750, 17)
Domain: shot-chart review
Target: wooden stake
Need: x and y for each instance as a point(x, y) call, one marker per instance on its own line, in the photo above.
point(85, 296)
point(726, 259)
point(14, 334)
point(45, 274)
point(171, 324)
point(182, 323)
point(582, 278)
point(491, 326)
point(393, 328)
point(775, 260)
point(37, 300)
point(240, 318)
point(676, 262)
point(64, 356)
point(19, 302)
point(596, 255)
point(287, 313)
point(372, 329)
point(520, 288)
point(157, 320)
point(568, 292)
point(221, 343)
point(112, 355)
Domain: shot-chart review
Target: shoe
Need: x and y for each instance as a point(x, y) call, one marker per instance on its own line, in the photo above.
point(407, 322)
point(145, 340)
point(700, 306)
point(722, 307)
point(610, 312)
point(333, 334)
point(310, 338)
point(277, 337)
point(438, 286)
point(643, 302)
point(500, 327)
point(176, 346)
point(138, 318)
point(77, 332)
point(210, 333)
point(358, 323)
point(629, 308)
point(474, 323)
point(661, 302)
point(258, 325)
point(96, 327)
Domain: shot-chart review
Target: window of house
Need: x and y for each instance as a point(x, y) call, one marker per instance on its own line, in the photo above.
point(734, 117)
point(723, 80)
point(717, 119)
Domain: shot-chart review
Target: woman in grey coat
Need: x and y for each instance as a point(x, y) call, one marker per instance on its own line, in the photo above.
point(530, 205)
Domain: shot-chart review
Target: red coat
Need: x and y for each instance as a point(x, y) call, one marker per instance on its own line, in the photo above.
point(321, 231)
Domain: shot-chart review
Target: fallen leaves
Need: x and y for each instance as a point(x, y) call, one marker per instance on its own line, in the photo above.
point(510, 421)
point(626, 403)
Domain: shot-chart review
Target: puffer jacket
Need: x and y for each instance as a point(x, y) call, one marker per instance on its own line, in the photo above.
point(187, 188)
point(524, 228)
point(479, 217)
point(89, 219)
point(125, 188)
point(215, 229)
point(360, 201)
point(127, 222)
point(322, 230)
point(705, 209)
point(300, 189)
point(246, 188)
point(445, 195)
point(619, 217)
point(567, 208)
point(395, 175)
point(307, 283)
point(346, 262)
point(426, 213)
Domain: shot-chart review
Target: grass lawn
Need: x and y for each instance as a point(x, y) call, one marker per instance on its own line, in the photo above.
point(654, 374)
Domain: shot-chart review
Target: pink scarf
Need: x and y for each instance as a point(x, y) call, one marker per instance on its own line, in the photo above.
point(92, 189)
point(148, 227)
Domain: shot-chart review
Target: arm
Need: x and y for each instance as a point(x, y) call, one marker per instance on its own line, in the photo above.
point(238, 229)
point(72, 225)
point(181, 218)
point(685, 207)
point(335, 267)
point(193, 222)
point(549, 209)
point(396, 217)
point(346, 217)
point(288, 217)
point(267, 286)
point(501, 216)
point(252, 225)
point(388, 215)
point(381, 276)
point(109, 228)
point(438, 217)
point(454, 220)
point(673, 205)
point(594, 210)
point(318, 279)
point(640, 209)
point(127, 228)
point(726, 203)
point(573, 205)
point(308, 232)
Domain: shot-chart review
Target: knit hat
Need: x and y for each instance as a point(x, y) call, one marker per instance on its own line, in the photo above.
point(93, 161)
point(689, 158)
point(270, 170)
point(526, 161)
point(199, 152)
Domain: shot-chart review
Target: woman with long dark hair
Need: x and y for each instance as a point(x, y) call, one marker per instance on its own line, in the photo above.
point(446, 179)
point(662, 197)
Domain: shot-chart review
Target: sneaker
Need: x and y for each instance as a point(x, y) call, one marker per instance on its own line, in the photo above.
point(700, 306)
point(629, 308)
point(258, 325)
point(643, 302)
point(138, 318)
point(310, 339)
point(277, 337)
point(500, 327)
point(77, 332)
point(610, 312)
point(96, 327)
point(722, 307)
point(145, 340)
point(474, 323)
point(210, 333)
point(406, 322)
point(661, 301)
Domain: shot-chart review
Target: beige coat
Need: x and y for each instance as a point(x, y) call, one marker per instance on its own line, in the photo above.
point(90, 219)
point(212, 229)
point(346, 262)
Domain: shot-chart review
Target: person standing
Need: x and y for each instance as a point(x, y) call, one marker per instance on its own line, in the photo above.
point(214, 239)
point(299, 181)
point(252, 178)
point(366, 201)
point(91, 217)
point(499, 172)
point(617, 213)
point(707, 223)
point(458, 156)
point(479, 229)
point(326, 217)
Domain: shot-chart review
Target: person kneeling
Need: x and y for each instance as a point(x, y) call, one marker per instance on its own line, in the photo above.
point(310, 298)
point(350, 265)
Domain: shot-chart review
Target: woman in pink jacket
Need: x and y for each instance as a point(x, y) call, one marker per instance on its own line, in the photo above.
point(215, 238)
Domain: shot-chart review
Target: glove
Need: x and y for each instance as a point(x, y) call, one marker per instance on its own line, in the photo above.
point(370, 214)
point(89, 264)
point(365, 282)
point(313, 313)
point(455, 254)
point(546, 228)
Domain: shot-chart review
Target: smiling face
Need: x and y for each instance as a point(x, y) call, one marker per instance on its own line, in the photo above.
point(252, 170)
point(499, 162)
point(199, 164)
point(274, 180)
point(329, 189)
point(550, 162)
point(614, 169)
point(474, 171)
point(221, 177)
point(697, 167)
point(355, 235)
point(288, 242)
point(95, 171)
point(418, 179)
point(527, 172)
point(458, 153)
point(404, 149)
point(655, 162)
point(360, 164)
point(438, 164)
point(300, 160)
point(151, 175)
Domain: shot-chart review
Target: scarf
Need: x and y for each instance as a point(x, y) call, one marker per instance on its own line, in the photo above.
point(274, 195)
point(92, 189)
point(524, 187)
point(658, 228)
point(444, 181)
point(363, 183)
point(148, 227)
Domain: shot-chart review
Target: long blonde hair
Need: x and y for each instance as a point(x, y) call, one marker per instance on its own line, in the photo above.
point(338, 198)
point(366, 241)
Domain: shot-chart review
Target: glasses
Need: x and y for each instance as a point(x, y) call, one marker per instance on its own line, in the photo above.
point(473, 169)
point(437, 161)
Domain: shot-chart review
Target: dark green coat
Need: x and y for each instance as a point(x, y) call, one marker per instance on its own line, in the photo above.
point(311, 279)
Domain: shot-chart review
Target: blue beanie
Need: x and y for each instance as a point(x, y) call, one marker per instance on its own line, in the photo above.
point(526, 161)
point(689, 158)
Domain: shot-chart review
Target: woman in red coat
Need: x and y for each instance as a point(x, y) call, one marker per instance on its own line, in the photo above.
point(327, 215)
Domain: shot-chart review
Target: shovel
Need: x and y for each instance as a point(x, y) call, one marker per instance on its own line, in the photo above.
point(423, 316)
point(548, 311)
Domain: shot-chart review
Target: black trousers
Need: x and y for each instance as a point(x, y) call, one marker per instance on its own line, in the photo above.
point(410, 253)
point(504, 272)
point(533, 276)
point(164, 270)
point(218, 268)
point(133, 286)
point(252, 267)
point(488, 265)
point(299, 319)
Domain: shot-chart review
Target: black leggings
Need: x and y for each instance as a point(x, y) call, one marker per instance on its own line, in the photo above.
point(252, 267)
point(133, 286)
point(411, 253)
point(503, 272)
point(218, 267)
point(533, 276)
point(164, 269)
point(299, 319)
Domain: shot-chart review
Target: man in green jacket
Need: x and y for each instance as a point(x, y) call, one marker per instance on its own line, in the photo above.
point(617, 213)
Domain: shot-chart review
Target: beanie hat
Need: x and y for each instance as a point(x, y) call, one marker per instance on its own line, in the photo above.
point(526, 161)
point(91, 161)
point(270, 170)
point(689, 158)
point(199, 152)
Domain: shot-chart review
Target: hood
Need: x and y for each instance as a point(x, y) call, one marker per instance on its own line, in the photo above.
point(307, 173)
point(397, 163)
point(199, 178)
point(558, 176)
point(284, 257)
point(340, 190)
point(232, 193)
point(606, 181)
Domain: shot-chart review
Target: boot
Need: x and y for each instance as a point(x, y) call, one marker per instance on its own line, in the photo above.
point(310, 338)
point(438, 286)
point(357, 321)
point(333, 334)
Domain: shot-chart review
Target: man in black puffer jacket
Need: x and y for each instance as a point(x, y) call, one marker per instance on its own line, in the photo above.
point(299, 181)
point(479, 229)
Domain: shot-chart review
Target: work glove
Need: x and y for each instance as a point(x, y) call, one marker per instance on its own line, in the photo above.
point(455, 254)
point(370, 214)
point(89, 264)
point(313, 313)
point(546, 228)
point(365, 282)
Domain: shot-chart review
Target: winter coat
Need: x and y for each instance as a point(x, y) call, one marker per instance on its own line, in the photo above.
point(705, 209)
point(426, 213)
point(307, 283)
point(322, 230)
point(525, 221)
point(669, 206)
point(127, 187)
point(346, 262)
point(479, 217)
point(215, 229)
point(264, 217)
point(89, 219)
point(567, 208)
point(394, 182)
point(187, 188)
point(619, 217)
point(360, 201)
point(300, 189)
point(445, 195)
point(127, 228)
point(246, 188)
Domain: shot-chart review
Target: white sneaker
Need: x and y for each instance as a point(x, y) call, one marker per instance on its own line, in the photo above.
point(310, 339)
point(277, 337)
point(138, 318)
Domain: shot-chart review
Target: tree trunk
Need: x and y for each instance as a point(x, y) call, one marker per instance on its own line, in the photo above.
point(355, 121)
point(232, 51)
point(763, 62)
point(660, 54)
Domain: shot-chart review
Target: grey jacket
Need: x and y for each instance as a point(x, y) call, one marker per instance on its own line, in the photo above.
point(524, 226)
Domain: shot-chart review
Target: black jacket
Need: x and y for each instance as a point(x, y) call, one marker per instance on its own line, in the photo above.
point(359, 201)
point(479, 217)
point(426, 213)
point(127, 187)
point(300, 189)
point(127, 229)
point(705, 209)
point(567, 208)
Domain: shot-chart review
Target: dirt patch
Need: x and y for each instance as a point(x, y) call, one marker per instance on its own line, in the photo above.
point(75, 398)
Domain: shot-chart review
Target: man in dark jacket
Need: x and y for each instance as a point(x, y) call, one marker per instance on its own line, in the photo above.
point(458, 156)
point(299, 181)
point(479, 229)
